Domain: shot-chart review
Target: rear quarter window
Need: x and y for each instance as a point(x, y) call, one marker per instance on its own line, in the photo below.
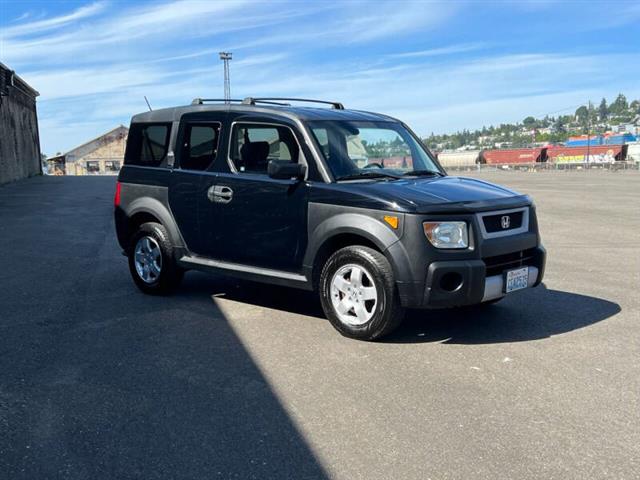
point(148, 144)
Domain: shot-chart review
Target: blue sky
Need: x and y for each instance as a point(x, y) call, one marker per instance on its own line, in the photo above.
point(440, 65)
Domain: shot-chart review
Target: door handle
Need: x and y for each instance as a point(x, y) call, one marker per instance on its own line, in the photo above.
point(220, 194)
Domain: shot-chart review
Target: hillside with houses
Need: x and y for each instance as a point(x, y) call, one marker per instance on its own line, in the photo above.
point(615, 122)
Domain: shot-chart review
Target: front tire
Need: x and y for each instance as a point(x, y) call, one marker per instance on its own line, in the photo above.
point(151, 261)
point(359, 295)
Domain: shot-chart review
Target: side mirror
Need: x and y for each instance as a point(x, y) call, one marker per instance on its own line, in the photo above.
point(284, 170)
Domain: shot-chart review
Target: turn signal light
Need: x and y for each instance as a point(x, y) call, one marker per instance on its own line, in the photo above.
point(392, 221)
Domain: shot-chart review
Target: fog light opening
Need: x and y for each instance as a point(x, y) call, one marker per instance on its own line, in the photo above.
point(451, 281)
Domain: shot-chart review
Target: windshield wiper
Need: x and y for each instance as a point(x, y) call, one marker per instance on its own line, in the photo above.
point(358, 176)
point(420, 173)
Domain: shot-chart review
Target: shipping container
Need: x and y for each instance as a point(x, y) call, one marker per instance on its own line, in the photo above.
point(518, 155)
point(619, 138)
point(596, 154)
point(467, 158)
point(584, 140)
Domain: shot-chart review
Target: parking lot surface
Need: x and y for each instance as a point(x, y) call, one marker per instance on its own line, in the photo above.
point(228, 379)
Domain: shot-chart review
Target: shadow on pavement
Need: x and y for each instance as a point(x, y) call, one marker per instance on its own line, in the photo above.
point(100, 381)
point(300, 302)
point(528, 315)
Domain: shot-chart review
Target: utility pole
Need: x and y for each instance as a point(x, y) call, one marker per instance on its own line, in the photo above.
point(588, 131)
point(225, 57)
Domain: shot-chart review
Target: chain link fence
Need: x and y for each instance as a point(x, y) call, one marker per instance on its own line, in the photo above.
point(545, 166)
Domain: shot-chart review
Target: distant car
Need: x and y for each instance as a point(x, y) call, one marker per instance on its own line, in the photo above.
point(266, 191)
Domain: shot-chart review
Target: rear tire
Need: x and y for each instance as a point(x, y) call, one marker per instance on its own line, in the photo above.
point(358, 293)
point(151, 262)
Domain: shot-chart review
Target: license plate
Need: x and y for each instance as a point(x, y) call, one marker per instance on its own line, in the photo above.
point(516, 279)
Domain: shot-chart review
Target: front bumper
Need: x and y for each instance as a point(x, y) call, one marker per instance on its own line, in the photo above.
point(468, 282)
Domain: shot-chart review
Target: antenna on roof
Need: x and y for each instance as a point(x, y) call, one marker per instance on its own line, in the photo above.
point(148, 104)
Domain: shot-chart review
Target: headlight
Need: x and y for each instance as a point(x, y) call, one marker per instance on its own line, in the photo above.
point(447, 234)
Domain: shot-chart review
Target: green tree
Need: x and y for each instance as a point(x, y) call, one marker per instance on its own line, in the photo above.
point(582, 113)
point(560, 125)
point(603, 110)
point(529, 121)
point(620, 105)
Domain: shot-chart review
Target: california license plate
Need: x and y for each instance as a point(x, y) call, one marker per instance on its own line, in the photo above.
point(516, 279)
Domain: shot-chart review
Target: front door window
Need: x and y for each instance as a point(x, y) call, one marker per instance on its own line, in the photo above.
point(254, 145)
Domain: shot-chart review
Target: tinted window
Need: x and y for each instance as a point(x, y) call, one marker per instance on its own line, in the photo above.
point(253, 146)
point(148, 144)
point(323, 139)
point(200, 146)
point(353, 148)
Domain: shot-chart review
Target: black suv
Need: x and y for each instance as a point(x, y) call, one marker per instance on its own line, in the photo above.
point(345, 202)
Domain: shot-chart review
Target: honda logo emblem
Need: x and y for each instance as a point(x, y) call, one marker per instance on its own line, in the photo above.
point(505, 221)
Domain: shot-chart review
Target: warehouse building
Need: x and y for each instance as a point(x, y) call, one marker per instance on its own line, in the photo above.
point(101, 156)
point(19, 139)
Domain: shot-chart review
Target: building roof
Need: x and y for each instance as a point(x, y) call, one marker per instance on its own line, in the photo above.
point(87, 147)
point(19, 83)
point(289, 111)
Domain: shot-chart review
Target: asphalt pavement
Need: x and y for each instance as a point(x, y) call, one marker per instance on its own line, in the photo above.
point(228, 379)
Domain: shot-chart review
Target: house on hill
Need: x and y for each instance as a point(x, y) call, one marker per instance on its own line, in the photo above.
point(101, 156)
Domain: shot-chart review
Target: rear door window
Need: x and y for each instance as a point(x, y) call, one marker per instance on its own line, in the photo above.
point(199, 145)
point(148, 144)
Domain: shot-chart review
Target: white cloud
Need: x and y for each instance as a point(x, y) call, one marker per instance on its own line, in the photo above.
point(94, 65)
point(365, 22)
point(134, 32)
point(434, 52)
point(41, 26)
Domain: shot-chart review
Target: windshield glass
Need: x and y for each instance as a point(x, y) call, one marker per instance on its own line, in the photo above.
point(355, 149)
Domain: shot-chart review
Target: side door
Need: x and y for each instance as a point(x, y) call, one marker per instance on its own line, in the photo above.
point(257, 220)
point(196, 151)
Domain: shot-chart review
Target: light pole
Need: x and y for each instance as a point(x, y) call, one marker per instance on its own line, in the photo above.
point(588, 131)
point(225, 57)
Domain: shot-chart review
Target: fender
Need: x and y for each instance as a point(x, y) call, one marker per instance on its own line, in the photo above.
point(161, 211)
point(327, 221)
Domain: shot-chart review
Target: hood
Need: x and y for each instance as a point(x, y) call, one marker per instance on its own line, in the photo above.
point(435, 194)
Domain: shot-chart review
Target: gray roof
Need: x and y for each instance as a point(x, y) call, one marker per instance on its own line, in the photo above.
point(91, 145)
point(20, 84)
point(291, 112)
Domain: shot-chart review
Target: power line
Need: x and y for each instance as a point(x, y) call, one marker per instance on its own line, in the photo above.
point(559, 111)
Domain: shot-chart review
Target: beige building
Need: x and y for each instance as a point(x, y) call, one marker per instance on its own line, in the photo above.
point(101, 156)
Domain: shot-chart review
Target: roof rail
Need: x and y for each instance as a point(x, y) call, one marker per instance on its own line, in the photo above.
point(267, 101)
point(277, 100)
point(200, 101)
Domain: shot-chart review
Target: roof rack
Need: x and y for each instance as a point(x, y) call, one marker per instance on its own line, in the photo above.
point(267, 101)
point(200, 101)
point(277, 100)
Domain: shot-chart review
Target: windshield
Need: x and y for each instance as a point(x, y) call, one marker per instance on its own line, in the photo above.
point(355, 149)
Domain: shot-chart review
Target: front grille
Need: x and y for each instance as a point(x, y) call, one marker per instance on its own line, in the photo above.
point(498, 264)
point(502, 222)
